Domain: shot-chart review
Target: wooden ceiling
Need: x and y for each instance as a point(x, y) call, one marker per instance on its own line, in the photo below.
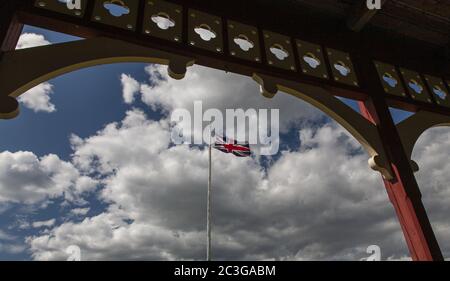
point(394, 35)
point(426, 20)
point(424, 23)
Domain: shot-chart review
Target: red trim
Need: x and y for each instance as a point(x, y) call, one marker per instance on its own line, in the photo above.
point(405, 196)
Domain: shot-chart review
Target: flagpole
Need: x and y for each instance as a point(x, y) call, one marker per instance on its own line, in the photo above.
point(208, 218)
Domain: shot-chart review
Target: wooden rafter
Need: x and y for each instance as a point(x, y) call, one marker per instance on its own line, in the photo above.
point(361, 15)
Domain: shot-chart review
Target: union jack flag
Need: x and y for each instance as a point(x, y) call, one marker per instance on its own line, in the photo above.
point(231, 146)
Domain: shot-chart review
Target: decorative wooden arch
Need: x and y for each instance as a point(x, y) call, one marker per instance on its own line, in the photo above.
point(54, 60)
point(371, 72)
point(413, 127)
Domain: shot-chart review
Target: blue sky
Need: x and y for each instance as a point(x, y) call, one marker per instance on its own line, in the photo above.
point(89, 99)
point(81, 98)
point(86, 100)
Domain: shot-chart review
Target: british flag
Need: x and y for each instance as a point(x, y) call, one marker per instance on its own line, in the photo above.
point(232, 146)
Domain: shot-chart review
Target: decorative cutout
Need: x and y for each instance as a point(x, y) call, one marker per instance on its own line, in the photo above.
point(205, 32)
point(439, 92)
point(390, 80)
point(68, 7)
point(279, 52)
point(64, 2)
point(415, 86)
point(90, 52)
point(343, 69)
point(163, 21)
point(243, 42)
point(116, 8)
point(311, 60)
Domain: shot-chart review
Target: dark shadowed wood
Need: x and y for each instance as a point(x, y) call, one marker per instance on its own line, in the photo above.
point(361, 15)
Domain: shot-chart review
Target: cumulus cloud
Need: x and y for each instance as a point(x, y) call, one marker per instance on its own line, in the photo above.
point(218, 90)
point(12, 248)
point(130, 87)
point(8, 244)
point(47, 223)
point(27, 179)
point(318, 202)
point(80, 211)
point(5, 236)
point(321, 202)
point(30, 40)
point(38, 98)
point(143, 139)
point(431, 154)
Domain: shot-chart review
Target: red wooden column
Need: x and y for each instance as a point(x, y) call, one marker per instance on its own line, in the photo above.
point(403, 190)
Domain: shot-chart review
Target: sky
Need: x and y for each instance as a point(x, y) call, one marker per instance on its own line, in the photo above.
point(89, 162)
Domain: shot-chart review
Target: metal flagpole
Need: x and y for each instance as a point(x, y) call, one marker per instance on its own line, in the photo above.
point(208, 218)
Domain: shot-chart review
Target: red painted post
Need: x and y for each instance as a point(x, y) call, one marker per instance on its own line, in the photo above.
point(403, 190)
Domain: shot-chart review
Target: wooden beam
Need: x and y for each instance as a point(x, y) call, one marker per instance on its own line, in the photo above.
point(361, 15)
point(10, 27)
point(10, 30)
point(384, 46)
point(403, 190)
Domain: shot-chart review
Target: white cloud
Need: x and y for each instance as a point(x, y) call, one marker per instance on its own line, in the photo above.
point(30, 40)
point(219, 90)
point(38, 98)
point(134, 140)
point(12, 248)
point(80, 211)
point(130, 87)
point(6, 236)
point(26, 179)
point(21, 224)
point(321, 202)
point(9, 245)
point(431, 154)
point(47, 223)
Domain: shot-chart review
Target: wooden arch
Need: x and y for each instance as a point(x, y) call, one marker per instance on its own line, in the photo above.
point(54, 60)
point(413, 127)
